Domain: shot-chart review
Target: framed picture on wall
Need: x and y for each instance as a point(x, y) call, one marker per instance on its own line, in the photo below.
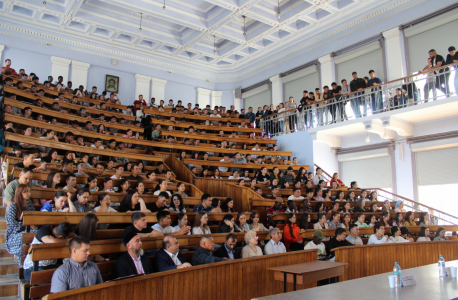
point(112, 84)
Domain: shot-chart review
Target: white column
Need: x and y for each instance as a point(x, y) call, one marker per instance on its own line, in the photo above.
point(203, 97)
point(2, 47)
point(158, 89)
point(216, 98)
point(79, 74)
point(237, 102)
point(327, 71)
point(277, 90)
point(142, 86)
point(60, 67)
point(395, 54)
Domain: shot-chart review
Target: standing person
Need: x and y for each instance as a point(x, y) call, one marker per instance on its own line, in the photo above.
point(376, 94)
point(292, 119)
point(77, 272)
point(304, 105)
point(336, 92)
point(356, 86)
point(452, 60)
point(344, 95)
point(441, 80)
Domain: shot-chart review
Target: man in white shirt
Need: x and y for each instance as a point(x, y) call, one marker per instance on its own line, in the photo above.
point(163, 225)
point(225, 159)
point(71, 182)
point(354, 235)
point(296, 195)
point(118, 172)
point(97, 144)
point(275, 245)
point(256, 148)
point(317, 243)
point(379, 236)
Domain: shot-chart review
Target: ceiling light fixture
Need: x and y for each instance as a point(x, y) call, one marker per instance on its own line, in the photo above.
point(368, 139)
point(141, 19)
point(163, 7)
point(278, 9)
point(214, 44)
point(244, 25)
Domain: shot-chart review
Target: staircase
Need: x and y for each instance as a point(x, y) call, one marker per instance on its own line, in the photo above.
point(9, 273)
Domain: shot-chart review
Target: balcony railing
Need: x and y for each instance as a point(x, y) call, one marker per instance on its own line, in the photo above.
point(438, 84)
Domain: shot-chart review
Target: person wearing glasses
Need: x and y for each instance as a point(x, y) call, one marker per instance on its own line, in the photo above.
point(251, 249)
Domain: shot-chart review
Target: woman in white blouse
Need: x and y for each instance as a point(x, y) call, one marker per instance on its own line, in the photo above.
point(162, 187)
point(200, 224)
point(251, 249)
point(103, 204)
point(423, 235)
point(177, 204)
point(182, 221)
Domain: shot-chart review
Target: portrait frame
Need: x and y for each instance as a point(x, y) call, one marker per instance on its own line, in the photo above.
point(109, 86)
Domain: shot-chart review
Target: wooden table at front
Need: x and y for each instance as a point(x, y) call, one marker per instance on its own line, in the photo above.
point(308, 272)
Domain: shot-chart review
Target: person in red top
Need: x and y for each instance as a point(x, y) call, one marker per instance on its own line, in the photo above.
point(292, 239)
point(277, 208)
point(139, 101)
point(8, 67)
point(335, 177)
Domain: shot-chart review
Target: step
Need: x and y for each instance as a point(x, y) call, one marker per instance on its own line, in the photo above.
point(9, 285)
point(8, 265)
point(3, 252)
point(2, 223)
point(2, 211)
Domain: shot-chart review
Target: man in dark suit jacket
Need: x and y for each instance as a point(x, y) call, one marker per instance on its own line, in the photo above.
point(169, 258)
point(125, 265)
point(228, 248)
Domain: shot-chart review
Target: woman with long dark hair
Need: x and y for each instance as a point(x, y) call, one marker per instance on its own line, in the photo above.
point(293, 241)
point(103, 204)
point(423, 236)
point(177, 204)
point(132, 202)
point(87, 227)
point(228, 205)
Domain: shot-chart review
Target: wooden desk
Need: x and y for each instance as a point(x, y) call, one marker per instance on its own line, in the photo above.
point(429, 286)
point(308, 272)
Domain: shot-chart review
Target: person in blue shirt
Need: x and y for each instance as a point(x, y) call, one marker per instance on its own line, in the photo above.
point(206, 205)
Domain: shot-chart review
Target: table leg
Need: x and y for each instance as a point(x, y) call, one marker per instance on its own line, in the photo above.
point(337, 279)
point(294, 284)
point(284, 275)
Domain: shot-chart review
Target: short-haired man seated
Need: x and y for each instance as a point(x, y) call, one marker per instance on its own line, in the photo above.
point(27, 161)
point(61, 233)
point(134, 261)
point(275, 245)
point(354, 235)
point(163, 224)
point(317, 243)
point(337, 241)
point(139, 226)
point(204, 252)
point(228, 249)
point(379, 236)
point(169, 257)
point(77, 272)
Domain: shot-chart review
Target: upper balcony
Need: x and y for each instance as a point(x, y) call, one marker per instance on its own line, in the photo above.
point(389, 110)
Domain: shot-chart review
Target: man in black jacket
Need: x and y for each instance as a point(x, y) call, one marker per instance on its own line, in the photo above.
point(357, 85)
point(228, 249)
point(134, 261)
point(169, 257)
point(204, 252)
point(337, 241)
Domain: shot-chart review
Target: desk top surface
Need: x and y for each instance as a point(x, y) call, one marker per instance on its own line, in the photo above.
point(308, 267)
point(428, 286)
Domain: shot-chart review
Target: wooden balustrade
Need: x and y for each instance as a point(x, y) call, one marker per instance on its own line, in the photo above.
point(215, 187)
point(241, 196)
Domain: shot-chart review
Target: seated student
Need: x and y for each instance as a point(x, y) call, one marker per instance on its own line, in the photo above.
point(440, 235)
point(163, 224)
point(80, 200)
point(291, 207)
point(61, 233)
point(135, 170)
point(70, 179)
point(399, 207)
point(61, 203)
point(139, 226)
point(132, 202)
point(103, 204)
point(379, 236)
point(254, 224)
point(161, 187)
point(317, 243)
point(410, 219)
point(293, 241)
point(181, 187)
point(204, 252)
point(396, 236)
point(228, 205)
point(251, 249)
point(359, 208)
point(160, 203)
point(335, 220)
point(28, 158)
point(200, 224)
point(216, 174)
point(296, 194)
point(360, 220)
point(423, 236)
point(321, 224)
point(274, 245)
point(118, 172)
point(276, 208)
point(134, 261)
point(87, 228)
point(14, 229)
point(160, 168)
point(77, 272)
point(337, 241)
point(169, 257)
point(354, 237)
point(398, 220)
point(25, 177)
point(263, 177)
point(177, 204)
point(206, 205)
point(227, 225)
point(228, 249)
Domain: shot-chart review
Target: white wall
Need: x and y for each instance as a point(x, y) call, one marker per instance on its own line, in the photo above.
point(323, 157)
point(296, 87)
point(300, 143)
point(97, 74)
point(178, 91)
point(404, 175)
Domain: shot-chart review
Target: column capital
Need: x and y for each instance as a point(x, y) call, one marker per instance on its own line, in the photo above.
point(60, 61)
point(392, 33)
point(275, 79)
point(204, 92)
point(158, 81)
point(80, 65)
point(2, 47)
point(142, 78)
point(217, 93)
point(326, 59)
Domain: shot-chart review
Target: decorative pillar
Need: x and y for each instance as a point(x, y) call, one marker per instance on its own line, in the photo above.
point(79, 74)
point(216, 98)
point(395, 54)
point(60, 67)
point(237, 102)
point(158, 89)
point(327, 70)
point(2, 47)
point(277, 90)
point(142, 86)
point(203, 97)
